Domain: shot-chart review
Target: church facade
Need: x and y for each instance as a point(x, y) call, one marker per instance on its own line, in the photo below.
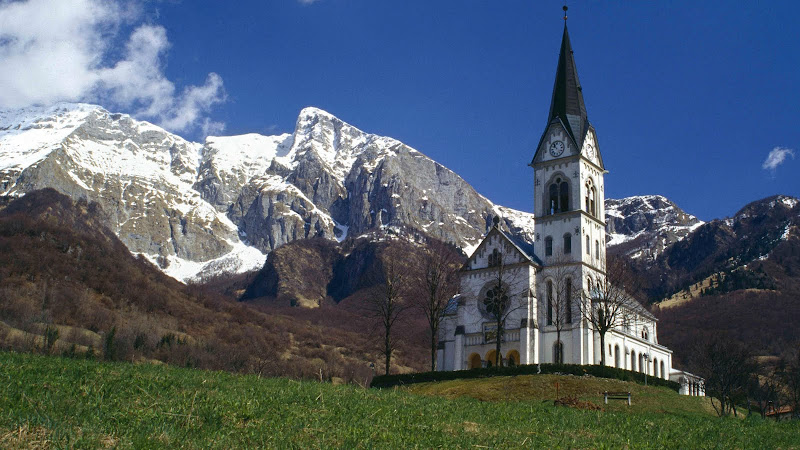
point(545, 292)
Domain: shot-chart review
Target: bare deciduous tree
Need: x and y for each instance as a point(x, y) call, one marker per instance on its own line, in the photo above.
point(607, 303)
point(562, 292)
point(387, 299)
point(507, 293)
point(727, 367)
point(793, 383)
point(438, 284)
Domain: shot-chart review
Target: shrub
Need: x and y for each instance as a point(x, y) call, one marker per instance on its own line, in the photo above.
point(384, 381)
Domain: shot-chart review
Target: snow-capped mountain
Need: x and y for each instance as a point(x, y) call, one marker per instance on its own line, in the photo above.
point(641, 227)
point(220, 206)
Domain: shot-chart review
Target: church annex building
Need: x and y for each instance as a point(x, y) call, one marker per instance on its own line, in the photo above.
point(542, 320)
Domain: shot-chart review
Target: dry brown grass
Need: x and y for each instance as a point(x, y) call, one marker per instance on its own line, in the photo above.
point(26, 437)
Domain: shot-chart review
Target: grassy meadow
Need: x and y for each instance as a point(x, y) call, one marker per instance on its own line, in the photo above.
point(53, 402)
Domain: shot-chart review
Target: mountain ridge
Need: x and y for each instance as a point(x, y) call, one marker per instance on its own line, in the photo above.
point(222, 205)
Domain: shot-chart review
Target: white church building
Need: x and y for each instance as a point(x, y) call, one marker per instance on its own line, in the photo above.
point(570, 241)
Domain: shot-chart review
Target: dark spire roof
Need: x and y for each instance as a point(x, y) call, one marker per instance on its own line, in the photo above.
point(567, 102)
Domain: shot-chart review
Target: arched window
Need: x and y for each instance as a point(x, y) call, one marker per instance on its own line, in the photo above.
point(663, 375)
point(548, 246)
point(568, 302)
point(567, 244)
point(641, 363)
point(633, 361)
point(558, 196)
point(590, 198)
point(616, 356)
point(655, 367)
point(494, 258)
point(549, 302)
point(564, 197)
point(558, 352)
point(588, 246)
point(596, 249)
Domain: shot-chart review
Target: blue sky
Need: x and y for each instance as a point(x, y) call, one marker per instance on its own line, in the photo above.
point(688, 98)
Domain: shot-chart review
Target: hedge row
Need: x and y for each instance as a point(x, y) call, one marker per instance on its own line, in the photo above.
point(384, 381)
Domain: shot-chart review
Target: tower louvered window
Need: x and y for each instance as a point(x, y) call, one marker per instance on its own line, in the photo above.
point(558, 196)
point(591, 198)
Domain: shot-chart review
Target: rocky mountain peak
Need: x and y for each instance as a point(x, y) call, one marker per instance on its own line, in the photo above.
point(221, 205)
point(776, 204)
point(643, 226)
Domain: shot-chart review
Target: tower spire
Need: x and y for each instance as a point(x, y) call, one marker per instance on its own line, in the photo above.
point(567, 101)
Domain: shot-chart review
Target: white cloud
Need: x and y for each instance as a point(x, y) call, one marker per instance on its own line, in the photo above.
point(777, 157)
point(57, 50)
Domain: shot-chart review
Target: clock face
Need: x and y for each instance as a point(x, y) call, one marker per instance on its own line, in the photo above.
point(556, 148)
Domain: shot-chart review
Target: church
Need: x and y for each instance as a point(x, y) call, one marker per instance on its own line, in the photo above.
point(540, 300)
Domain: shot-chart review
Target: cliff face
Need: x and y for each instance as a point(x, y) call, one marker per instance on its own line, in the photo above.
point(221, 206)
point(642, 227)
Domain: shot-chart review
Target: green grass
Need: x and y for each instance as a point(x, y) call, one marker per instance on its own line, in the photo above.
point(58, 402)
point(532, 388)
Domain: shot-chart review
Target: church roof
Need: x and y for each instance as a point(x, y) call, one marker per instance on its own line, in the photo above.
point(567, 101)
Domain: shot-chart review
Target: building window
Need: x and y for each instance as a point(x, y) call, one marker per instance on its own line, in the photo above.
point(549, 302)
point(633, 361)
point(548, 246)
point(494, 258)
point(591, 198)
point(616, 356)
point(558, 196)
point(496, 301)
point(596, 249)
point(568, 305)
point(567, 244)
point(588, 246)
point(662, 370)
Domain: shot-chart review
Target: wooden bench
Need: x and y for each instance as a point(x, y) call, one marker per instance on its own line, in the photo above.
point(617, 396)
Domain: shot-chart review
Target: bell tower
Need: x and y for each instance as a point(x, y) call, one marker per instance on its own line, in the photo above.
point(568, 208)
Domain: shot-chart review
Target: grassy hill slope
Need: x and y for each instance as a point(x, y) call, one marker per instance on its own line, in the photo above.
point(59, 402)
point(62, 269)
point(588, 390)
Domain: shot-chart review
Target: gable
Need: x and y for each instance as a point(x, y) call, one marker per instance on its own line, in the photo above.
point(591, 149)
point(556, 131)
point(510, 252)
